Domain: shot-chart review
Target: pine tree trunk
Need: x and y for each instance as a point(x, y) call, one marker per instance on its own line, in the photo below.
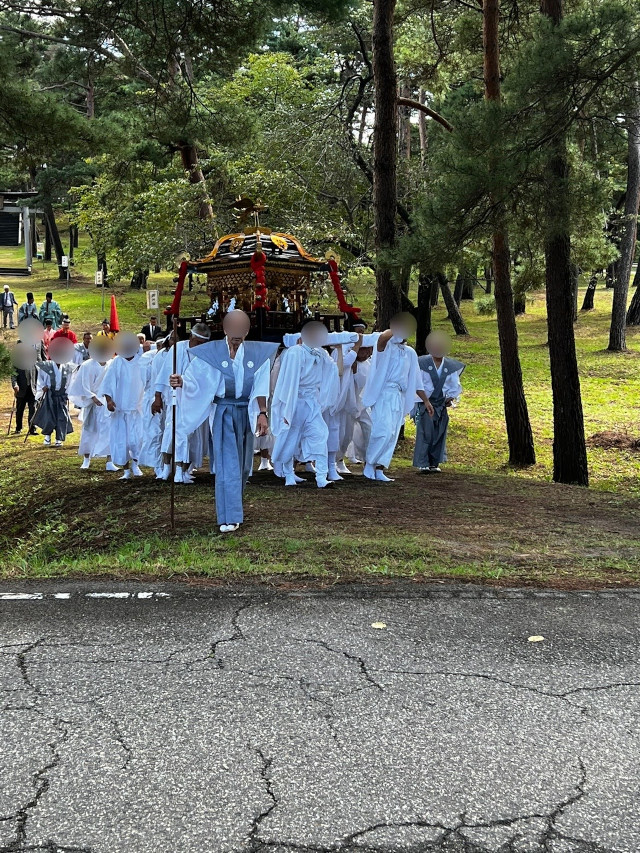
point(422, 128)
point(488, 278)
point(633, 314)
point(516, 413)
point(610, 278)
point(47, 240)
point(423, 310)
point(191, 165)
point(385, 132)
point(455, 316)
point(575, 281)
point(569, 446)
point(52, 227)
point(617, 332)
point(457, 290)
point(587, 303)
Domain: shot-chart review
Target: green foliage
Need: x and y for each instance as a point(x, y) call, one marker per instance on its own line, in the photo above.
point(5, 361)
point(485, 306)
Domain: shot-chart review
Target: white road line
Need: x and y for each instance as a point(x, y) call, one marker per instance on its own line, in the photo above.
point(66, 596)
point(20, 596)
point(107, 595)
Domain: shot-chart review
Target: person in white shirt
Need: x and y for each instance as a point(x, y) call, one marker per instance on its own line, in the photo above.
point(190, 448)
point(394, 380)
point(441, 379)
point(308, 384)
point(82, 349)
point(234, 374)
point(8, 302)
point(85, 392)
point(123, 389)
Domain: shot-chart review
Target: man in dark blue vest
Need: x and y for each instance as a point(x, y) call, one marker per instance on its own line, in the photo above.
point(441, 378)
point(234, 373)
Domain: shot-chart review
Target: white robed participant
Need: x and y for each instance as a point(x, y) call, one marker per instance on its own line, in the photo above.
point(394, 381)
point(123, 389)
point(85, 392)
point(190, 447)
point(307, 385)
point(358, 431)
point(152, 422)
point(234, 374)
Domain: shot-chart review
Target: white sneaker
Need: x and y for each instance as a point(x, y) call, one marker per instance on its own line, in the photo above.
point(382, 477)
point(228, 528)
point(135, 469)
point(341, 468)
point(369, 471)
point(85, 463)
point(436, 469)
point(47, 440)
point(126, 475)
point(111, 466)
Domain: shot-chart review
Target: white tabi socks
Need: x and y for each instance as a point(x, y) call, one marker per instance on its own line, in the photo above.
point(369, 471)
point(85, 463)
point(110, 466)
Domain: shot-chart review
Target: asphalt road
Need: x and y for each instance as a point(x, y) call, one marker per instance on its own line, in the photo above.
point(242, 719)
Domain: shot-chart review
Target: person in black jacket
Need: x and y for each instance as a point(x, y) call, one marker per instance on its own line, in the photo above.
point(152, 330)
point(24, 382)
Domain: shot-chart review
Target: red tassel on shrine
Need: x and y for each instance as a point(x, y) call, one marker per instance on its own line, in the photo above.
point(343, 305)
point(258, 264)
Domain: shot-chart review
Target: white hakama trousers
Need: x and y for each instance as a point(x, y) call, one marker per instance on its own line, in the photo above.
point(94, 439)
point(197, 446)
point(125, 436)
point(387, 417)
point(150, 453)
point(307, 435)
point(333, 425)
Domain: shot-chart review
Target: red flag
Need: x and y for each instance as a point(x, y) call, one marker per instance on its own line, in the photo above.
point(174, 310)
point(113, 322)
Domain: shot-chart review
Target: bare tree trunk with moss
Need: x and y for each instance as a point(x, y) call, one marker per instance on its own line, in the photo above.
point(385, 132)
point(617, 331)
point(516, 412)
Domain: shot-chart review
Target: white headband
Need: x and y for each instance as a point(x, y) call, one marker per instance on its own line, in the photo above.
point(202, 337)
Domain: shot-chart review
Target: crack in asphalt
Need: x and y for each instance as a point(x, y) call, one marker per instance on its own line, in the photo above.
point(238, 634)
point(265, 769)
point(40, 781)
point(452, 838)
point(348, 655)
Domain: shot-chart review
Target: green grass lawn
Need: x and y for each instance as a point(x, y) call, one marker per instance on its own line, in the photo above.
point(478, 521)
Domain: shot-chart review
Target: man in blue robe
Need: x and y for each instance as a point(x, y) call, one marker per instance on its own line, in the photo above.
point(233, 374)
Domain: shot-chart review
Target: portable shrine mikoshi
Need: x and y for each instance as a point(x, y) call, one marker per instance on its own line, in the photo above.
point(269, 275)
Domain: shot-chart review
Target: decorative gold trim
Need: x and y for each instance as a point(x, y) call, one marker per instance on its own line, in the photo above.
point(301, 250)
